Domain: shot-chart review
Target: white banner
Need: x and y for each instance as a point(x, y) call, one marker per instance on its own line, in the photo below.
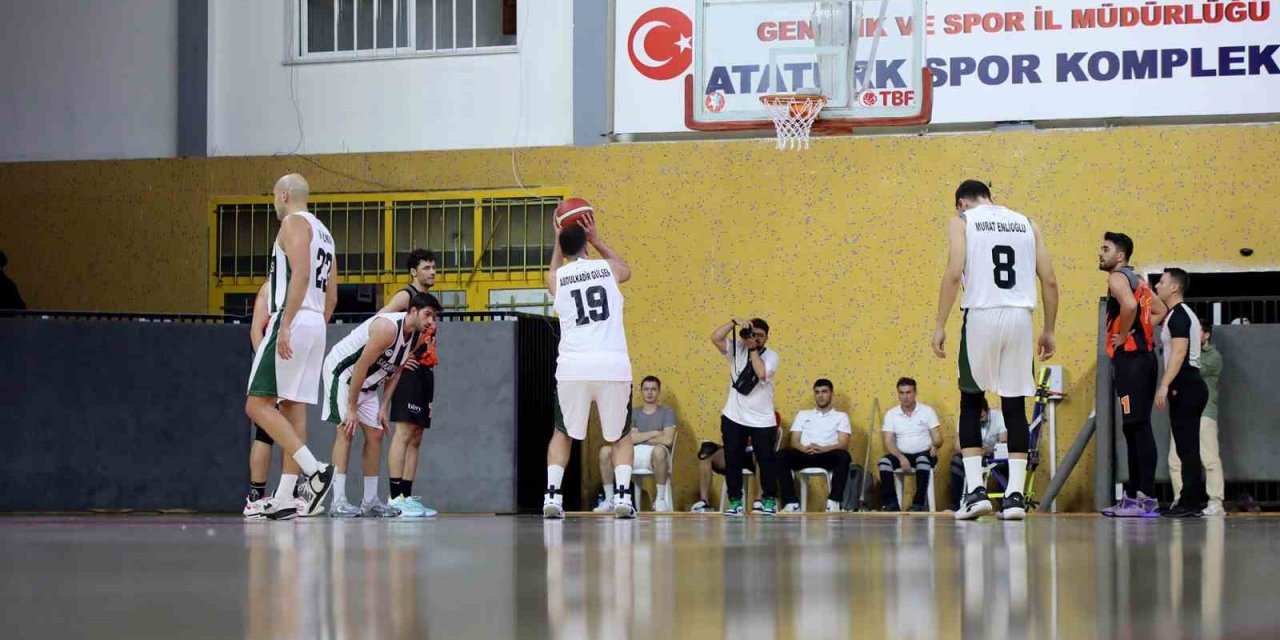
point(1009, 60)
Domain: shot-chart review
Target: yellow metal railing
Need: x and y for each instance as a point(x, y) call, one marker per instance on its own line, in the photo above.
point(490, 245)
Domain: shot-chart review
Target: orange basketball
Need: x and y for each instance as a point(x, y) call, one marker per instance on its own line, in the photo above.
point(571, 211)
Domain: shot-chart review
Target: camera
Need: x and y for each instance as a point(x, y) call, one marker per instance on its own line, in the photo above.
point(746, 333)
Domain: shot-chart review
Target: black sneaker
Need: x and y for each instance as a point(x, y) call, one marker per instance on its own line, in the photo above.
point(918, 508)
point(974, 505)
point(890, 508)
point(1013, 507)
point(1181, 511)
point(318, 486)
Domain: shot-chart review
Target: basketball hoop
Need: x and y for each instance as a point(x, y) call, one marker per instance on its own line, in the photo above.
point(793, 115)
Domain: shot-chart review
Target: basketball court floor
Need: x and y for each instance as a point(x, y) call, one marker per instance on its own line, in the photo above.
point(813, 576)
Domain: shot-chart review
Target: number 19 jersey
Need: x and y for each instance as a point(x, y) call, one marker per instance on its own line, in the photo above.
point(593, 341)
point(1000, 263)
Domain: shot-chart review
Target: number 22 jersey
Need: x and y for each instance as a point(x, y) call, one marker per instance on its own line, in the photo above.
point(593, 341)
point(1000, 262)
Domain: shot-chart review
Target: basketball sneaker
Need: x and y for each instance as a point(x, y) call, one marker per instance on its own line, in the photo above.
point(376, 509)
point(699, 507)
point(276, 509)
point(412, 507)
point(342, 509)
point(623, 509)
point(974, 505)
point(1150, 506)
point(834, 507)
point(553, 505)
point(1013, 507)
point(318, 485)
point(1214, 510)
point(766, 507)
point(735, 508)
point(1181, 511)
point(791, 507)
point(253, 509)
point(1129, 508)
point(604, 506)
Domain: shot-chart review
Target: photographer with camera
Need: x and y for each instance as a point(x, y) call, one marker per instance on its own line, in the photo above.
point(748, 413)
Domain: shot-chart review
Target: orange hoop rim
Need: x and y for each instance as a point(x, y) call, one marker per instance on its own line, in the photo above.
point(778, 99)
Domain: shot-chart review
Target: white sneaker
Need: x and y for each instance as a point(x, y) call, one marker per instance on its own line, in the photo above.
point(605, 506)
point(661, 505)
point(412, 507)
point(833, 507)
point(302, 502)
point(275, 509)
point(791, 507)
point(622, 507)
point(253, 510)
point(699, 507)
point(553, 506)
point(1214, 510)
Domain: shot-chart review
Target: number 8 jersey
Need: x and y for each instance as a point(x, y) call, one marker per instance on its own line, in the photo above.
point(593, 341)
point(1000, 262)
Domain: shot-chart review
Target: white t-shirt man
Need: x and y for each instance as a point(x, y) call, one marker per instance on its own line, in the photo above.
point(821, 428)
point(911, 431)
point(756, 408)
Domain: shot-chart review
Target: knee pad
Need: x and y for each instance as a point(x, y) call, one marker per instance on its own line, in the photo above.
point(262, 436)
point(1015, 420)
point(970, 420)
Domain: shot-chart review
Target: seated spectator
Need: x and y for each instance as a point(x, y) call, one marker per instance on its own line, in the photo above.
point(653, 432)
point(819, 438)
point(993, 432)
point(912, 435)
point(711, 462)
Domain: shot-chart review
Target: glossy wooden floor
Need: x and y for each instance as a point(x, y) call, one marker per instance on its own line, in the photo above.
point(849, 576)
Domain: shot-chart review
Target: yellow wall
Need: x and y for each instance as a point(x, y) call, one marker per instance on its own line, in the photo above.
point(840, 247)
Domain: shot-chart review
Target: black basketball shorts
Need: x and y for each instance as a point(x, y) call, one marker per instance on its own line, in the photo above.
point(414, 396)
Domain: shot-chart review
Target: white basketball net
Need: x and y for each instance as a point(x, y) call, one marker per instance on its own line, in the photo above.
point(793, 117)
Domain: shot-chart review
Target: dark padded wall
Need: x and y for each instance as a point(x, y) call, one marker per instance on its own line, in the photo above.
point(148, 415)
point(113, 414)
point(1248, 404)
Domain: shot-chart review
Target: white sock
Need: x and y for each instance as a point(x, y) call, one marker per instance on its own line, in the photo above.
point(340, 487)
point(622, 476)
point(1017, 474)
point(664, 491)
point(608, 491)
point(305, 460)
point(972, 473)
point(555, 475)
point(370, 490)
point(284, 491)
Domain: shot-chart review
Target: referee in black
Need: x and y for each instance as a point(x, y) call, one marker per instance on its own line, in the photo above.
point(1183, 390)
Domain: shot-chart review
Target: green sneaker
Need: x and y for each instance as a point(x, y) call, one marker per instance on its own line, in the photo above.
point(735, 508)
point(768, 507)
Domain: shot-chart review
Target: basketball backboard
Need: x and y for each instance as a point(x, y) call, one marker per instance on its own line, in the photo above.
point(866, 56)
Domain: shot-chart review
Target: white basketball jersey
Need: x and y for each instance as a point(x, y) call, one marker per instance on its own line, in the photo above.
point(593, 342)
point(1000, 265)
point(320, 260)
point(344, 355)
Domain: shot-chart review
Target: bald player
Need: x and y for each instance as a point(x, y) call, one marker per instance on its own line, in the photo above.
point(997, 255)
point(287, 367)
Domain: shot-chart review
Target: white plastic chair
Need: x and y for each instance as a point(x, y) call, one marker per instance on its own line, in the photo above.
point(804, 475)
point(899, 482)
point(638, 476)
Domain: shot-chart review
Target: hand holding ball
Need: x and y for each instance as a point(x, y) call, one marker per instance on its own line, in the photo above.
point(572, 212)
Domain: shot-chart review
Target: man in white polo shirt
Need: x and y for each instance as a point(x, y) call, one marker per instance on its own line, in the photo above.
point(819, 438)
point(912, 435)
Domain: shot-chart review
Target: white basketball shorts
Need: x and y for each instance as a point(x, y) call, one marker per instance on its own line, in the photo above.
point(337, 394)
point(997, 352)
point(298, 378)
point(613, 401)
